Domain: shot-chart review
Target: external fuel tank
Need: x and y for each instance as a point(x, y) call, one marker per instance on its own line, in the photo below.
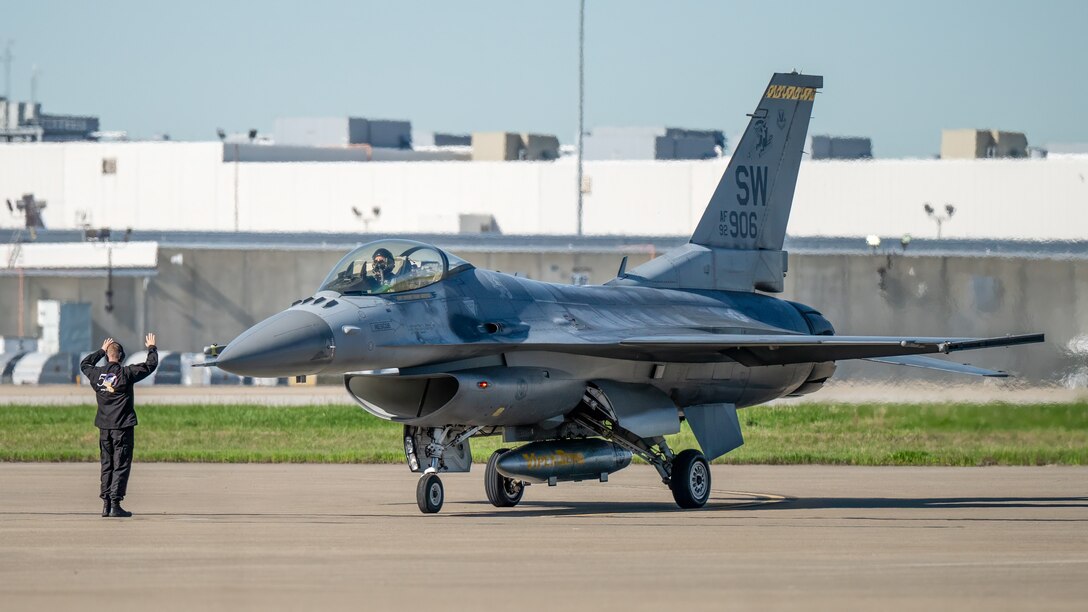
point(564, 460)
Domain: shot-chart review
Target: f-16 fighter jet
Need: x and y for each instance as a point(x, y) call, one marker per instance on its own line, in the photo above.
point(581, 378)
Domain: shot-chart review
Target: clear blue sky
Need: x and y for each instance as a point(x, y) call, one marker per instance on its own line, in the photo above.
point(897, 72)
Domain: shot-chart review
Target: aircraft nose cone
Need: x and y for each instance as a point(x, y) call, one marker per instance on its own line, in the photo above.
point(291, 343)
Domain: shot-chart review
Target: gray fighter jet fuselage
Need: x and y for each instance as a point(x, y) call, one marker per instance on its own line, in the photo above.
point(484, 319)
point(587, 376)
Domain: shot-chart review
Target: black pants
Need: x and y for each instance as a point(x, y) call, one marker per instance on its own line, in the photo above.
point(116, 447)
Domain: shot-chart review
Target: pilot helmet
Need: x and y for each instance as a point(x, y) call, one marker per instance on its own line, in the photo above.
point(383, 252)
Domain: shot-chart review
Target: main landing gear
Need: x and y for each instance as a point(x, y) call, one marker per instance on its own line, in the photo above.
point(687, 473)
point(690, 479)
point(501, 491)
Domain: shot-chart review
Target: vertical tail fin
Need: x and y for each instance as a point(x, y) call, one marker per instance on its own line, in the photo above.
point(737, 245)
point(751, 205)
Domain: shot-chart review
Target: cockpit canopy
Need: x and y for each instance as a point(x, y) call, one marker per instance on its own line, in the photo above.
point(391, 266)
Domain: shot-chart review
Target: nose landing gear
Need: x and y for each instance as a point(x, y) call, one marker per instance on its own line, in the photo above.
point(429, 493)
point(429, 446)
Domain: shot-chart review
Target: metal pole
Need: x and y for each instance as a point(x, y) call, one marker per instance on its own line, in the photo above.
point(7, 71)
point(236, 187)
point(581, 99)
point(22, 308)
point(34, 73)
point(8, 109)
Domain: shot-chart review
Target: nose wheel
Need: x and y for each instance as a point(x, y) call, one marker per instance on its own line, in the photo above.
point(430, 493)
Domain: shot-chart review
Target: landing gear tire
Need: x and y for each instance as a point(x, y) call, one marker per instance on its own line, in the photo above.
point(501, 491)
point(430, 494)
point(690, 480)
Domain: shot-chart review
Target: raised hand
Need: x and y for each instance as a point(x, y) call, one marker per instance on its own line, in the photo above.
point(149, 340)
point(106, 343)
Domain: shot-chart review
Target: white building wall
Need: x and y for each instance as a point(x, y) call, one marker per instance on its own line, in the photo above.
point(157, 184)
point(1016, 199)
point(170, 185)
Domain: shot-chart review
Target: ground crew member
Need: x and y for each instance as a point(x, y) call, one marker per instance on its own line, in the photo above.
point(116, 418)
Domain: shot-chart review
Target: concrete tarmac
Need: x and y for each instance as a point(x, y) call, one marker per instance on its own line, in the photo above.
point(271, 537)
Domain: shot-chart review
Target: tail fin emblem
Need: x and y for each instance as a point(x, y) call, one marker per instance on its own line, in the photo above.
point(765, 138)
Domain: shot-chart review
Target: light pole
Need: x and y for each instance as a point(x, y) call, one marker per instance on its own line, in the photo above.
point(7, 57)
point(940, 219)
point(581, 99)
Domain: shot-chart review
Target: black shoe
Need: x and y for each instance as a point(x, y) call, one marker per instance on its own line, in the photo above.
point(118, 512)
point(107, 505)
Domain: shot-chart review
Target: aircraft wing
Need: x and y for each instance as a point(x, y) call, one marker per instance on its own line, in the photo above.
point(763, 349)
point(748, 349)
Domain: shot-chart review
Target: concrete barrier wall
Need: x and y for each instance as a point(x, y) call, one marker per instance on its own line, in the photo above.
point(216, 294)
point(966, 296)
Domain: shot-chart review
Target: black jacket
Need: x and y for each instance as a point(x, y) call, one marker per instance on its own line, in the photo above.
point(112, 384)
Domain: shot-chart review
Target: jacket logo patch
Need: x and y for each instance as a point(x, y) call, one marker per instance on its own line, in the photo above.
point(106, 381)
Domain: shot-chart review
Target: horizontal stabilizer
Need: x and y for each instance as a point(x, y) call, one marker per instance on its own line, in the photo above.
point(931, 363)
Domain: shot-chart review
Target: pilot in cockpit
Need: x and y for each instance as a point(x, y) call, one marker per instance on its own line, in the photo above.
point(381, 273)
point(374, 276)
point(381, 269)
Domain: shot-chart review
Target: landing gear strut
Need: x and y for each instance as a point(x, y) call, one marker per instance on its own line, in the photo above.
point(687, 474)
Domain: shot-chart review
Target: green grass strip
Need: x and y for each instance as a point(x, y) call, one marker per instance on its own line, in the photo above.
point(846, 434)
